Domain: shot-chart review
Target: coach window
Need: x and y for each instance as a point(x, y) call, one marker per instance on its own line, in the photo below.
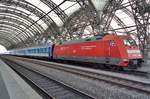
point(34, 50)
point(42, 50)
point(37, 50)
point(45, 50)
point(29, 50)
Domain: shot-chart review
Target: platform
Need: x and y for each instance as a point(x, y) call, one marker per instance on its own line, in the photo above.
point(12, 86)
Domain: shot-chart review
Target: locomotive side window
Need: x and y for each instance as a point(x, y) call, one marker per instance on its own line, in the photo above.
point(88, 39)
point(112, 43)
point(129, 42)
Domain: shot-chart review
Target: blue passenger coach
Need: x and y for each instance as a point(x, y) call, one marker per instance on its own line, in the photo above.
point(44, 51)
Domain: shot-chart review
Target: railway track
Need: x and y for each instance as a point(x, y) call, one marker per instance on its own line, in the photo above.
point(53, 88)
point(125, 71)
point(122, 82)
point(136, 73)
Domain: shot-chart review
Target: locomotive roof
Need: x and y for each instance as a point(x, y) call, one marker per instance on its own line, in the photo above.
point(95, 38)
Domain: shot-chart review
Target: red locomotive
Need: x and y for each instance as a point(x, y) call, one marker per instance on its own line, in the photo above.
point(110, 50)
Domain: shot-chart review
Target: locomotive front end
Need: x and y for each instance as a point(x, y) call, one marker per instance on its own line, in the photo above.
point(135, 57)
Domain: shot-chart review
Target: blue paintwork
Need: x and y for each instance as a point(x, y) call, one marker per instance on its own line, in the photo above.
point(39, 51)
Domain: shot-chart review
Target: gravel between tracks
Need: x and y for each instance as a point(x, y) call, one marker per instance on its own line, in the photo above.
point(100, 90)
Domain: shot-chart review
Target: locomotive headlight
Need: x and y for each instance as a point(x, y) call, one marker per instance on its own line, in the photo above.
point(125, 60)
point(133, 51)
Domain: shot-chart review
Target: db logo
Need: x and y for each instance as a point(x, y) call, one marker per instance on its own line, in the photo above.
point(112, 43)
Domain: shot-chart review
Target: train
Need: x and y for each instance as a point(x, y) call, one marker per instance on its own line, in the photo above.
point(111, 50)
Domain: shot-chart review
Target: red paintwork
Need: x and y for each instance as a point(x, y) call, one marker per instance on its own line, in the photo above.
point(100, 48)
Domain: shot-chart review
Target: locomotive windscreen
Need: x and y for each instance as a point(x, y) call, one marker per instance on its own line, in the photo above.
point(129, 42)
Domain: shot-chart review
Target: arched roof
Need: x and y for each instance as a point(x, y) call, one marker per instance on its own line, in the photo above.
point(25, 23)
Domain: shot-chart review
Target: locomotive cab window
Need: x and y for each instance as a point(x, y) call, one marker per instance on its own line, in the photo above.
point(88, 39)
point(130, 42)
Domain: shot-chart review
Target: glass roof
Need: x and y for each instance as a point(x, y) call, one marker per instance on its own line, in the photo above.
point(41, 16)
point(70, 7)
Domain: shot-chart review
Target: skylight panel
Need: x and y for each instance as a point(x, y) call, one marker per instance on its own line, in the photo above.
point(99, 4)
point(114, 24)
point(39, 5)
point(67, 5)
point(34, 17)
point(126, 19)
point(22, 27)
point(34, 2)
point(23, 10)
point(42, 24)
point(56, 19)
point(72, 9)
point(57, 1)
point(43, 7)
point(125, 1)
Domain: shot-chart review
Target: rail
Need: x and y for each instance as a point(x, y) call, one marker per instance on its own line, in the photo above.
point(122, 82)
point(55, 89)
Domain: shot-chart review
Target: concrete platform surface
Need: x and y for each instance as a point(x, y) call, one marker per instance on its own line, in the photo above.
point(3, 91)
point(12, 86)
